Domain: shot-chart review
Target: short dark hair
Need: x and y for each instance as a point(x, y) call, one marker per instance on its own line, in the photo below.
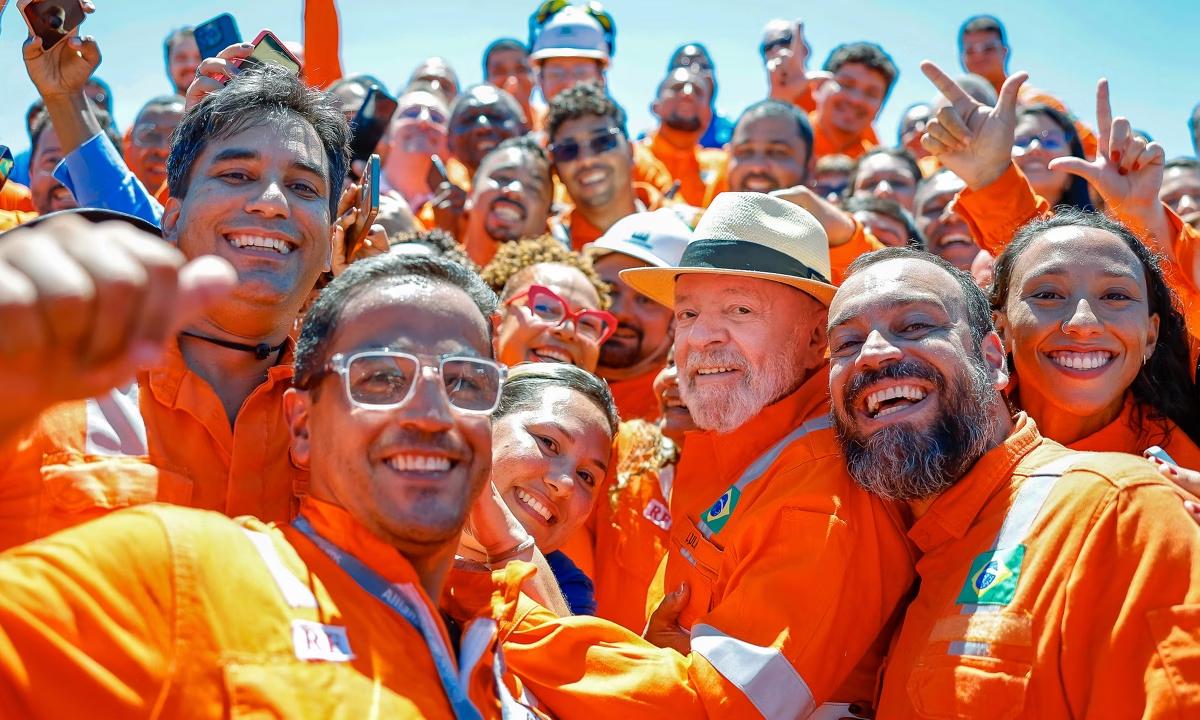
point(1194, 126)
point(254, 98)
point(160, 101)
point(1076, 194)
point(440, 242)
point(187, 31)
point(901, 154)
point(505, 100)
point(975, 302)
point(321, 320)
point(1165, 384)
point(865, 53)
point(890, 208)
point(107, 94)
point(527, 144)
point(363, 80)
point(514, 257)
point(775, 108)
point(982, 23)
point(580, 101)
point(525, 388)
point(501, 44)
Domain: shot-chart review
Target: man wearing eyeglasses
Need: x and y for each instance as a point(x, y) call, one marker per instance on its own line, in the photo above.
point(594, 160)
point(150, 141)
point(174, 611)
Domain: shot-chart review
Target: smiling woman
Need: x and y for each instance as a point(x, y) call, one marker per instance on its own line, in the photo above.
point(1098, 348)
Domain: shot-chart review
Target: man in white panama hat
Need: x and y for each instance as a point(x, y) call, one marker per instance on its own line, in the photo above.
point(786, 577)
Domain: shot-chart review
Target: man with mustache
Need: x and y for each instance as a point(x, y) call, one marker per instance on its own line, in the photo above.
point(683, 106)
point(637, 351)
point(510, 198)
point(1053, 583)
point(150, 140)
point(786, 575)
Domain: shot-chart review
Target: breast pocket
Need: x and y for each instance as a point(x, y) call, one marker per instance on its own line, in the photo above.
point(976, 665)
point(78, 488)
point(702, 559)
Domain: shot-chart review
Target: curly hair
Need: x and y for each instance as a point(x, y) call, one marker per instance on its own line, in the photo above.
point(513, 257)
point(583, 100)
point(642, 450)
point(441, 242)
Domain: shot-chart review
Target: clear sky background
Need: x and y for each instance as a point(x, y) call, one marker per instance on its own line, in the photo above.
point(1146, 49)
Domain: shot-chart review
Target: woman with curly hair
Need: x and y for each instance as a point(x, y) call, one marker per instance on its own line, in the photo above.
point(553, 304)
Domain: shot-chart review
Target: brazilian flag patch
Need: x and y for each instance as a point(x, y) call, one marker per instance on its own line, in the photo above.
point(722, 510)
point(993, 577)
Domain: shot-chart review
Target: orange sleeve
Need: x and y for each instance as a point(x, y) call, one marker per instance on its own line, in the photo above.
point(90, 609)
point(1182, 271)
point(840, 257)
point(1146, 661)
point(15, 196)
point(995, 212)
point(322, 43)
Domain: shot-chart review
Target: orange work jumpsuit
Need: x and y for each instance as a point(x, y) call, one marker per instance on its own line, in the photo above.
point(582, 231)
point(164, 437)
point(163, 611)
point(695, 168)
point(1130, 434)
point(635, 396)
point(1053, 584)
point(823, 145)
point(798, 578)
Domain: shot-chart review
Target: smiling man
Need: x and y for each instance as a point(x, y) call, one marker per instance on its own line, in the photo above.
point(340, 612)
point(1053, 583)
point(482, 117)
point(863, 76)
point(150, 139)
point(771, 148)
point(946, 233)
point(254, 173)
point(510, 198)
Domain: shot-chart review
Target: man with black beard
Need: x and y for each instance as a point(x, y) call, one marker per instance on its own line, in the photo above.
point(684, 109)
point(637, 351)
point(1053, 583)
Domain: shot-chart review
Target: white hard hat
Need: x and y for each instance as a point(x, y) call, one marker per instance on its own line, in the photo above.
point(571, 33)
point(656, 238)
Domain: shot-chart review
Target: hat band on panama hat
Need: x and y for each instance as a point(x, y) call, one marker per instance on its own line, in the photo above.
point(745, 255)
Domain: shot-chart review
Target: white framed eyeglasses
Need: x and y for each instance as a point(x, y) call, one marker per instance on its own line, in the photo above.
point(384, 379)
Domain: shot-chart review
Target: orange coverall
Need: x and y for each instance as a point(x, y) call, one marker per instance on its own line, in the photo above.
point(162, 611)
point(1125, 434)
point(695, 168)
point(1053, 584)
point(165, 437)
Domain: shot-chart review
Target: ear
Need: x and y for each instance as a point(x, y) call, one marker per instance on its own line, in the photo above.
point(654, 106)
point(996, 358)
point(170, 220)
point(1151, 337)
point(295, 410)
point(1000, 321)
point(817, 340)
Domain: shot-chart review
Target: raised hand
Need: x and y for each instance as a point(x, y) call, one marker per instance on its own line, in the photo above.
point(64, 69)
point(839, 225)
point(214, 72)
point(971, 139)
point(1127, 171)
point(375, 243)
point(83, 306)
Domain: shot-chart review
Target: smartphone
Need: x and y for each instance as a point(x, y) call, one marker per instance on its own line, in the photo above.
point(371, 122)
point(270, 50)
point(6, 164)
point(213, 36)
point(368, 207)
point(437, 173)
point(53, 20)
point(1161, 454)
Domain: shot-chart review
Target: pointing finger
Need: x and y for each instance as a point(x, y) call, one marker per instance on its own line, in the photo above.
point(1103, 117)
point(949, 89)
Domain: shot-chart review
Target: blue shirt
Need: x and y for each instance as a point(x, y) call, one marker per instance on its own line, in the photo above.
point(576, 586)
point(98, 177)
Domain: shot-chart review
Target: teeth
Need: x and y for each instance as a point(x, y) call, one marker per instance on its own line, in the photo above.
point(1081, 361)
point(258, 241)
point(908, 392)
point(418, 463)
point(554, 355)
point(591, 176)
point(714, 371)
point(508, 212)
point(534, 504)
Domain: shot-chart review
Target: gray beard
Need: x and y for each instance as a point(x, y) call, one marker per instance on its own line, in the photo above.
point(903, 462)
point(725, 411)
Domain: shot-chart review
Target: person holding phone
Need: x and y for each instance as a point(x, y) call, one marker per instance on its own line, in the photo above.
point(418, 131)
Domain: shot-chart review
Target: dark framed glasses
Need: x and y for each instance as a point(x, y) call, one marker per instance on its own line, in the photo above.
point(547, 306)
point(780, 42)
point(385, 379)
point(603, 141)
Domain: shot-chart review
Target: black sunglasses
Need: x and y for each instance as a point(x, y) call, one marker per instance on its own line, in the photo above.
point(602, 142)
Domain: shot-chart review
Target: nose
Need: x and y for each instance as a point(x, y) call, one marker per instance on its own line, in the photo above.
point(565, 330)
point(877, 352)
point(1188, 203)
point(1083, 322)
point(271, 202)
point(705, 332)
point(428, 409)
point(559, 480)
point(885, 190)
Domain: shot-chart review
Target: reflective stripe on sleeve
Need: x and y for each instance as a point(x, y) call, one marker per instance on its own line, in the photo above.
point(296, 593)
point(763, 674)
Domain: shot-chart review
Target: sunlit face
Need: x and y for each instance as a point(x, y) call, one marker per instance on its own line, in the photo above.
point(557, 74)
point(984, 54)
point(509, 70)
point(510, 197)
point(887, 177)
point(1181, 192)
point(594, 180)
point(741, 344)
point(1037, 141)
point(684, 102)
point(852, 101)
point(48, 193)
point(524, 337)
point(482, 119)
point(645, 326)
point(151, 143)
point(946, 233)
point(182, 62)
point(408, 474)
point(766, 153)
point(674, 417)
point(419, 125)
point(1077, 320)
point(259, 199)
point(548, 462)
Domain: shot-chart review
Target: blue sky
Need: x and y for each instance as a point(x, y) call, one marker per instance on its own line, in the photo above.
point(1147, 50)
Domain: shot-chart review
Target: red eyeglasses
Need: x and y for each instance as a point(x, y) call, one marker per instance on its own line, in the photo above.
point(595, 326)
